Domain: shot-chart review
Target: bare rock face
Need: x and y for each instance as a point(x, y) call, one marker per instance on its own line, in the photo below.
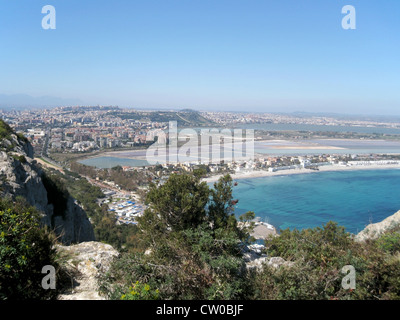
point(88, 260)
point(255, 259)
point(14, 143)
point(21, 177)
point(259, 262)
point(374, 230)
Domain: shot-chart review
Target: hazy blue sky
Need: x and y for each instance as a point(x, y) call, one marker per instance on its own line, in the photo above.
point(253, 55)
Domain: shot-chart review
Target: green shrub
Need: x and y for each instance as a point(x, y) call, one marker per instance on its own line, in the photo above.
point(194, 244)
point(389, 242)
point(5, 130)
point(22, 137)
point(20, 158)
point(25, 249)
point(318, 256)
point(139, 291)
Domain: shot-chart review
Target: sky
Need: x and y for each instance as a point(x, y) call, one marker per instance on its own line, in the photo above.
point(236, 55)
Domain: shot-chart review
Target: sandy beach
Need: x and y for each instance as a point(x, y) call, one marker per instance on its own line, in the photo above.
point(265, 173)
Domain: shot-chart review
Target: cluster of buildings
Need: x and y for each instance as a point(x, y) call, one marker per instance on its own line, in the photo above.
point(268, 163)
point(82, 129)
point(77, 139)
point(229, 118)
point(126, 211)
point(274, 164)
point(85, 129)
point(126, 207)
point(373, 163)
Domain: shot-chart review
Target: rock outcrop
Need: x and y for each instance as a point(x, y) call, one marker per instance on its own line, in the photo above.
point(374, 230)
point(263, 231)
point(259, 261)
point(255, 259)
point(87, 260)
point(21, 177)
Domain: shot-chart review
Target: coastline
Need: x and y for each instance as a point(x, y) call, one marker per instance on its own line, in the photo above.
point(264, 173)
point(263, 230)
point(139, 153)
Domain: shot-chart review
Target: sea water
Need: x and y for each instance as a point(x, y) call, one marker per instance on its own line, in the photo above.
point(353, 199)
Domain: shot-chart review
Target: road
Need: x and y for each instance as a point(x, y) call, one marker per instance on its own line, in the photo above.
point(49, 163)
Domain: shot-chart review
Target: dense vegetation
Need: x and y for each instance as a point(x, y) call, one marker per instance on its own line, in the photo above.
point(127, 180)
point(5, 130)
point(318, 256)
point(194, 251)
point(25, 249)
point(188, 245)
point(194, 245)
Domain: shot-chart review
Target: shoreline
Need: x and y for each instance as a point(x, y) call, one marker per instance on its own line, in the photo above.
point(263, 173)
point(139, 153)
point(263, 230)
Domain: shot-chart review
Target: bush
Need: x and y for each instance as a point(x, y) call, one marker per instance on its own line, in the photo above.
point(25, 249)
point(140, 291)
point(20, 158)
point(194, 244)
point(390, 242)
point(318, 256)
point(5, 130)
point(321, 246)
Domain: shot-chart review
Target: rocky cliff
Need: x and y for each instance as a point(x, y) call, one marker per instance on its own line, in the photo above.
point(86, 261)
point(21, 176)
point(374, 230)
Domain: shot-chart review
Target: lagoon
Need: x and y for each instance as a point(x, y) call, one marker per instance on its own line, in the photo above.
point(137, 158)
point(317, 128)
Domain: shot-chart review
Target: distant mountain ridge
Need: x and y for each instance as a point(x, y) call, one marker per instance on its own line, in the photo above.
point(16, 101)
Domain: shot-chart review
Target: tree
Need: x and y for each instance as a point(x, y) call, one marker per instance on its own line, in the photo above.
point(221, 207)
point(193, 244)
point(247, 224)
point(178, 204)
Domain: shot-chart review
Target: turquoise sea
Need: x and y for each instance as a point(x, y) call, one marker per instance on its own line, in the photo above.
point(351, 198)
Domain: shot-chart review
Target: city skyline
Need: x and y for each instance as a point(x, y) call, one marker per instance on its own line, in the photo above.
point(263, 56)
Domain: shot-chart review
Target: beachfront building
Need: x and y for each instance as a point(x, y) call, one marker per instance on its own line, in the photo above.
point(369, 163)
